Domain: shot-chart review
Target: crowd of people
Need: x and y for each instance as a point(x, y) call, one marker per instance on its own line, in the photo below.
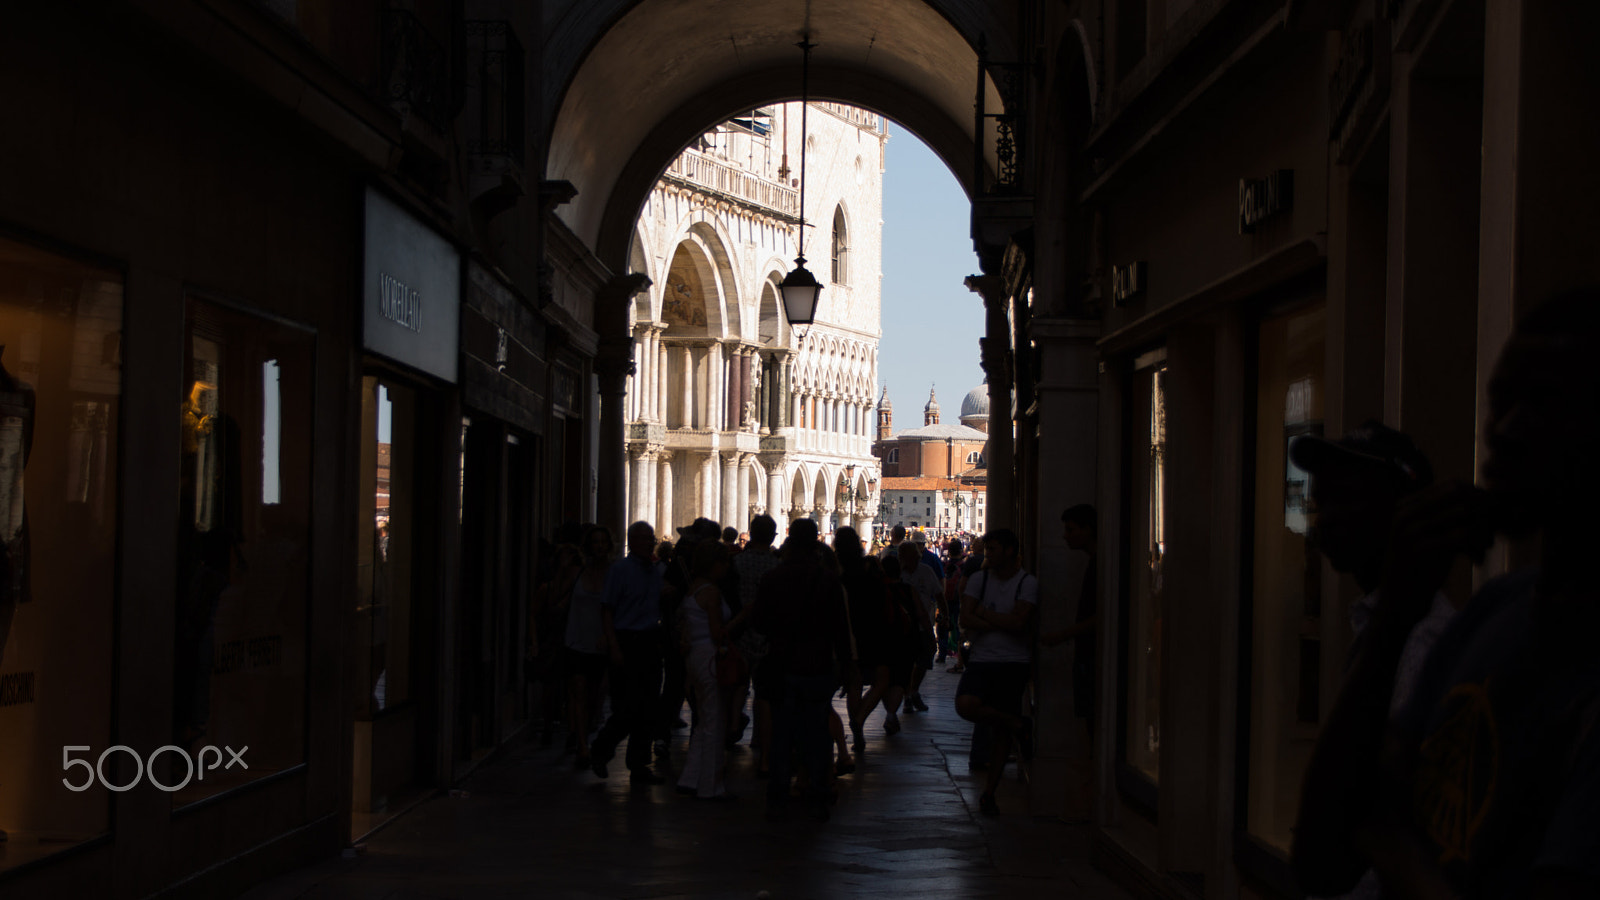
point(759, 639)
point(1462, 757)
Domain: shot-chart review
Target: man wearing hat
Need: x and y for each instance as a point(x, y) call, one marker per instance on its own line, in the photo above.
point(1356, 482)
point(1486, 784)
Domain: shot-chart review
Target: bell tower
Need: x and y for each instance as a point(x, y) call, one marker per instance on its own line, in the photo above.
point(885, 416)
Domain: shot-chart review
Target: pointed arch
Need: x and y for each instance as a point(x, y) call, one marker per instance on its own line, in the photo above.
point(822, 489)
point(647, 302)
point(799, 493)
point(772, 329)
point(840, 246)
point(716, 242)
point(757, 496)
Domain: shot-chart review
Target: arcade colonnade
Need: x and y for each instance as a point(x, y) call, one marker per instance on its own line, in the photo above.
point(703, 415)
point(729, 413)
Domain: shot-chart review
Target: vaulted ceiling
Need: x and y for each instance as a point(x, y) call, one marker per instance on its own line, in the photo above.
point(630, 84)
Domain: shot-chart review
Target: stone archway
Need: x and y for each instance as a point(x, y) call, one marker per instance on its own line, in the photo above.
point(799, 496)
point(631, 87)
point(822, 501)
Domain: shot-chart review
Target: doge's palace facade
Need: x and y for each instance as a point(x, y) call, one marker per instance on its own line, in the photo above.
point(730, 411)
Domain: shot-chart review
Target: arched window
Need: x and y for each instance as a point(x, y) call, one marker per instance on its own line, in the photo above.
point(972, 458)
point(894, 455)
point(841, 248)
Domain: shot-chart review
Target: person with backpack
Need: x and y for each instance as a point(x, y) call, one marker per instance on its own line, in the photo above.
point(997, 609)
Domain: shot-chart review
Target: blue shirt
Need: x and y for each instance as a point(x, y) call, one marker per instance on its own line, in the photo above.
point(633, 593)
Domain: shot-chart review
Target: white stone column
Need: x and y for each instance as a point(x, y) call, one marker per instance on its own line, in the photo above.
point(777, 497)
point(638, 382)
point(650, 487)
point(686, 391)
point(741, 495)
point(647, 375)
point(730, 489)
point(661, 380)
point(640, 484)
point(708, 486)
point(664, 515)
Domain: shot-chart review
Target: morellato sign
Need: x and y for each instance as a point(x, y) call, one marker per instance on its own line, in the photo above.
point(411, 291)
point(1262, 198)
point(399, 302)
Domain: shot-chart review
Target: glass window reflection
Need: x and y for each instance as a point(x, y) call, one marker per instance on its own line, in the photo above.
point(60, 387)
point(243, 544)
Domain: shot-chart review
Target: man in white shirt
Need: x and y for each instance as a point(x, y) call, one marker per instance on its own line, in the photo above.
point(997, 611)
point(926, 585)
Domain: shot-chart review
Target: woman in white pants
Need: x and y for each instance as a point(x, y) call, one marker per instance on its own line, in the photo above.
point(703, 630)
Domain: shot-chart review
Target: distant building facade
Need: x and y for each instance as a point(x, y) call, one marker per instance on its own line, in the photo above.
point(939, 506)
point(729, 413)
point(944, 450)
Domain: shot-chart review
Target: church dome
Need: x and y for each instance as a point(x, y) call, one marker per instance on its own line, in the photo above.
point(883, 402)
point(976, 403)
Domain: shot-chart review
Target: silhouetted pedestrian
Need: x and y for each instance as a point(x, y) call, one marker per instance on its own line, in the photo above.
point(631, 617)
point(802, 612)
point(997, 610)
point(1486, 784)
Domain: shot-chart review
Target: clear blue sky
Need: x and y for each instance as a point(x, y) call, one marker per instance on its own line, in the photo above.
point(931, 322)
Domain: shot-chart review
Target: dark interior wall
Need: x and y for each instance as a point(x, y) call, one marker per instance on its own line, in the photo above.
point(1177, 207)
point(123, 146)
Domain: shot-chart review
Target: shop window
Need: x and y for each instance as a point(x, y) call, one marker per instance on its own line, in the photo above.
point(1147, 550)
point(239, 656)
point(1286, 653)
point(384, 606)
point(60, 388)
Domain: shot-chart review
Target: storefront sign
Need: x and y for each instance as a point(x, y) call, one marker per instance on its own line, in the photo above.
point(1127, 282)
point(411, 290)
point(1262, 198)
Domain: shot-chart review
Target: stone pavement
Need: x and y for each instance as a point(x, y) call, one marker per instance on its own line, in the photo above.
point(907, 824)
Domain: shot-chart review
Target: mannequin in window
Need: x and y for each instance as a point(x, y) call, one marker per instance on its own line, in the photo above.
point(210, 526)
point(17, 404)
